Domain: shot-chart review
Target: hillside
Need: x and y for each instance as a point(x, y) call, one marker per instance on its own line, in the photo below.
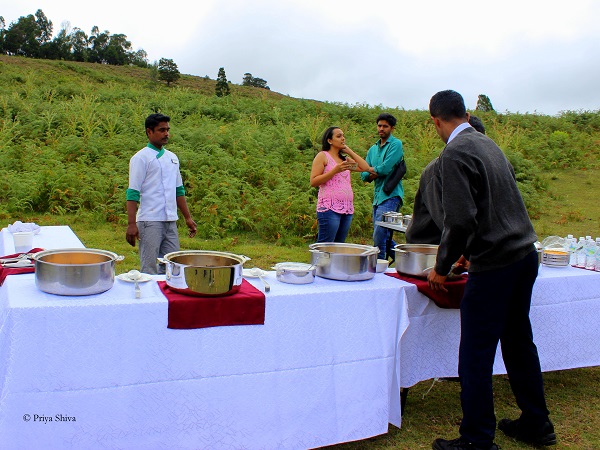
point(68, 129)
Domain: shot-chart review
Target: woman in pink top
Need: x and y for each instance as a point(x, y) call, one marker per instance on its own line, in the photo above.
point(331, 173)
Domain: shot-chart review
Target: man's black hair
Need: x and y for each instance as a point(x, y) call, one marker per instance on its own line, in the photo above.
point(476, 123)
point(391, 120)
point(447, 105)
point(154, 119)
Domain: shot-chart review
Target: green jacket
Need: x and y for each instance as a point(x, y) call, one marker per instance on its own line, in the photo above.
point(383, 159)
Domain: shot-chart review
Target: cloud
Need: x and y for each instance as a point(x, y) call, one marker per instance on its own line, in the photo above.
point(525, 55)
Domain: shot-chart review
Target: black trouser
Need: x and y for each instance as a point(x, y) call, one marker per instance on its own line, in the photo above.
point(495, 307)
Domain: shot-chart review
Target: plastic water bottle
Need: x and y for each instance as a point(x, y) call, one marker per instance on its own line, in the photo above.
point(598, 254)
point(581, 247)
point(571, 246)
point(590, 253)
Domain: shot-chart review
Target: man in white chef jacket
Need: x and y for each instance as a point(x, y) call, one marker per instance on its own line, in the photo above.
point(155, 185)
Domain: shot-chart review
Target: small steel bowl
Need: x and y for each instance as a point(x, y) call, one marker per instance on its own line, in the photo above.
point(382, 265)
point(295, 273)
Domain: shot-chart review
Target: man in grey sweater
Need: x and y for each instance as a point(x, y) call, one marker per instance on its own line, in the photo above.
point(428, 216)
point(485, 219)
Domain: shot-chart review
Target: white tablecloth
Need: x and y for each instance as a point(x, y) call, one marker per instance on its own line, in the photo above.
point(325, 368)
point(48, 238)
point(565, 316)
point(106, 369)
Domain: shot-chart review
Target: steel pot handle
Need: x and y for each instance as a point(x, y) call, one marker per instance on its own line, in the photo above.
point(320, 255)
point(244, 258)
point(162, 260)
point(119, 258)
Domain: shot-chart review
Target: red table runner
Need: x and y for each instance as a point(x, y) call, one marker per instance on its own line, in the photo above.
point(245, 307)
point(447, 300)
point(6, 271)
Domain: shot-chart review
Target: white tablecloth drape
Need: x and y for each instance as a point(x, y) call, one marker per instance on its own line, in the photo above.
point(323, 369)
point(564, 314)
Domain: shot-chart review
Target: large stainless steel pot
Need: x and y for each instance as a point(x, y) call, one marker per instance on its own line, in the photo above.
point(204, 273)
point(415, 259)
point(345, 262)
point(75, 271)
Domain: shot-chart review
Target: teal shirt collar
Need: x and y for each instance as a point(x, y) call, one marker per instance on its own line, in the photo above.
point(161, 151)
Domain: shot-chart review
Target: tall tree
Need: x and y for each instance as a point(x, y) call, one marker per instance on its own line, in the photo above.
point(140, 58)
point(118, 50)
point(44, 26)
point(2, 31)
point(57, 48)
point(97, 45)
point(79, 45)
point(249, 80)
point(484, 103)
point(168, 71)
point(26, 36)
point(222, 87)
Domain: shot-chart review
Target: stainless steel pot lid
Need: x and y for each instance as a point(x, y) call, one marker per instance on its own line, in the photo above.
point(193, 258)
point(294, 266)
point(339, 248)
point(62, 256)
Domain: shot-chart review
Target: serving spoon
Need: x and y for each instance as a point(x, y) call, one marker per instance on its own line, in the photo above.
point(258, 273)
point(19, 263)
point(21, 257)
point(135, 275)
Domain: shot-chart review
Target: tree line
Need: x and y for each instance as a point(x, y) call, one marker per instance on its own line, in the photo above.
point(31, 36)
point(222, 86)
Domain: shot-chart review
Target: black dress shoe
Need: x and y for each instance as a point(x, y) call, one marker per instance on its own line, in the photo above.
point(460, 444)
point(516, 430)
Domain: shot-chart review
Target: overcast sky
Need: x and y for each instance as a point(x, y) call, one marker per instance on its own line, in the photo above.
point(525, 55)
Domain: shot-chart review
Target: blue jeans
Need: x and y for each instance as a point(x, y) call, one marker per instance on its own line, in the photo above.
point(333, 227)
point(381, 234)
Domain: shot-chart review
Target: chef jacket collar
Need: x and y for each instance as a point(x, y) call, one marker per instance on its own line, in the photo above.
point(161, 151)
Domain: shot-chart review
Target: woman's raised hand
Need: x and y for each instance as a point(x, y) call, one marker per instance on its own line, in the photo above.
point(344, 165)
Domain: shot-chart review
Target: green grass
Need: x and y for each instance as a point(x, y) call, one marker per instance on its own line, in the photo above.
point(575, 208)
point(433, 411)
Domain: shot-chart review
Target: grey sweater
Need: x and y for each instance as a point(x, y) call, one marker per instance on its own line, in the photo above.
point(485, 218)
point(428, 216)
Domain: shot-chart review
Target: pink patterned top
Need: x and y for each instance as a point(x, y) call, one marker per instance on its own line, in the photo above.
point(336, 194)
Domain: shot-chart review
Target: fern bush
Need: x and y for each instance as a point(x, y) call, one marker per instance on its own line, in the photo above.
point(69, 129)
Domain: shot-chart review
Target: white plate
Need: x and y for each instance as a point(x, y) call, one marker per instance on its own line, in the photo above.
point(248, 273)
point(142, 279)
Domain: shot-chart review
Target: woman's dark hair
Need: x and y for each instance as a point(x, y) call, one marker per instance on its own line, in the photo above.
point(325, 145)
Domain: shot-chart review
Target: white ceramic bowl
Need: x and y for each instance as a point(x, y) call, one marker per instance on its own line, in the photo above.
point(382, 265)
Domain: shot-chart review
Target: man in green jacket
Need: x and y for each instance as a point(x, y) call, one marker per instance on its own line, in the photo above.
point(383, 156)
